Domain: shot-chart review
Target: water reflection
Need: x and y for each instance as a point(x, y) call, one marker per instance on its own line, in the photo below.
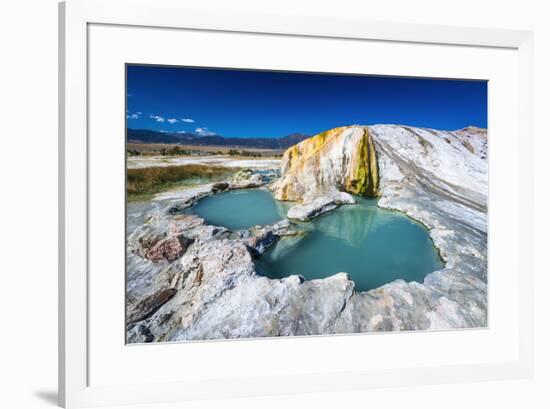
point(375, 246)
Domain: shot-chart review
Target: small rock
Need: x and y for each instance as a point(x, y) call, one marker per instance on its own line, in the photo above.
point(181, 223)
point(243, 174)
point(323, 204)
point(219, 187)
point(245, 184)
point(149, 305)
point(169, 249)
point(262, 242)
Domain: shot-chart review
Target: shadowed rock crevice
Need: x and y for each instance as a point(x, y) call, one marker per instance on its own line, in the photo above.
point(364, 169)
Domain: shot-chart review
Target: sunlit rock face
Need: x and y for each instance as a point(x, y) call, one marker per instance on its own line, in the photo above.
point(347, 159)
point(451, 164)
point(341, 159)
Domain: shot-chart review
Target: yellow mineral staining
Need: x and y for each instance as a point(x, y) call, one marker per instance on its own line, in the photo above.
point(301, 152)
point(363, 175)
point(294, 159)
point(361, 178)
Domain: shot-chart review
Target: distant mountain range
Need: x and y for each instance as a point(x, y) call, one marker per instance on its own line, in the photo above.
point(189, 138)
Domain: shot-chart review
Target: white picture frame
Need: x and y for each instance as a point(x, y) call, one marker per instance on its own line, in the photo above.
point(75, 19)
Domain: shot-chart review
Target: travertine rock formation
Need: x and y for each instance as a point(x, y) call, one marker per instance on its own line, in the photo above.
point(212, 289)
point(342, 159)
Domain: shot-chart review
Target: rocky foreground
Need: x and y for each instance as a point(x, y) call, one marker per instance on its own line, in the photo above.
point(188, 280)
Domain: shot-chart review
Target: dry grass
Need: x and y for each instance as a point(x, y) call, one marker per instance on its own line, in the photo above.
point(144, 182)
point(155, 148)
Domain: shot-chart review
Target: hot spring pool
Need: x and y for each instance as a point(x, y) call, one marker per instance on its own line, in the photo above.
point(240, 209)
point(373, 245)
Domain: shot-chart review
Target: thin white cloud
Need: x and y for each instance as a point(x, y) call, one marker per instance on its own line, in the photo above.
point(157, 118)
point(188, 120)
point(133, 116)
point(204, 131)
point(172, 120)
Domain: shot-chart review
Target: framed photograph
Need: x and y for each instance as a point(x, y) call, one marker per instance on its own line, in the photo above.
point(261, 204)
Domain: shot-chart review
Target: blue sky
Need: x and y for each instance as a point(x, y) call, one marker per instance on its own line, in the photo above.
point(241, 103)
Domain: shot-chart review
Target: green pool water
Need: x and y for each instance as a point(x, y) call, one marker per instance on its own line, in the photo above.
point(240, 209)
point(373, 245)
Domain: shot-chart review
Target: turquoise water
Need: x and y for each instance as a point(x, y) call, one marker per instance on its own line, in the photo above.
point(240, 209)
point(373, 245)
